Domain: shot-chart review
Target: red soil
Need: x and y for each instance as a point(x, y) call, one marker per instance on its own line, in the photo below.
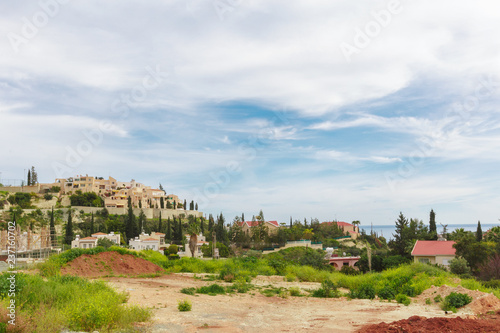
point(420, 324)
point(109, 263)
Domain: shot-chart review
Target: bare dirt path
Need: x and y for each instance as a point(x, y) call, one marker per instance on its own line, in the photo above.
point(253, 312)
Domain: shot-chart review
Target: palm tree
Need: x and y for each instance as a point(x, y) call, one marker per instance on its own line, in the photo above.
point(193, 230)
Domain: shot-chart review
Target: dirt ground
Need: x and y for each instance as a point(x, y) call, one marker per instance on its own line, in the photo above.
point(254, 312)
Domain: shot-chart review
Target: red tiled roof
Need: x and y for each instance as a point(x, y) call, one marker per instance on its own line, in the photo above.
point(99, 233)
point(340, 224)
point(432, 248)
point(150, 239)
point(88, 238)
point(159, 233)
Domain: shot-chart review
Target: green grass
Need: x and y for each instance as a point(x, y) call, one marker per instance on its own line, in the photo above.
point(71, 302)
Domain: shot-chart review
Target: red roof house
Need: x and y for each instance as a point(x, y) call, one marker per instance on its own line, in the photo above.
point(433, 252)
point(346, 227)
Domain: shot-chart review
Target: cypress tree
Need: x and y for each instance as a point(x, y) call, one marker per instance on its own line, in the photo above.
point(92, 224)
point(180, 236)
point(130, 226)
point(169, 230)
point(196, 207)
point(159, 223)
point(184, 204)
point(191, 205)
point(162, 203)
point(69, 229)
point(432, 222)
point(290, 222)
point(479, 232)
point(202, 225)
point(175, 205)
point(52, 228)
point(29, 177)
point(242, 217)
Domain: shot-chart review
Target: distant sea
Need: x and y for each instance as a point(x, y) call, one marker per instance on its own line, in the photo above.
point(388, 230)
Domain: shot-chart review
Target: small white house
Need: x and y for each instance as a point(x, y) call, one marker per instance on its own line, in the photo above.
point(155, 242)
point(90, 242)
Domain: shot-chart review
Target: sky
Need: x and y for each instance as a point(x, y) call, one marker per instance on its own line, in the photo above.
point(327, 109)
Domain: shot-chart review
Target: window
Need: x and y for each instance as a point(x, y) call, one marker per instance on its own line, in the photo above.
point(446, 262)
point(424, 260)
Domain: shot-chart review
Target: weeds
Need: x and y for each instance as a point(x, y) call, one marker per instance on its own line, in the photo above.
point(184, 305)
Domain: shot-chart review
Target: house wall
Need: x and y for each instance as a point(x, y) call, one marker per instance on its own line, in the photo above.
point(441, 260)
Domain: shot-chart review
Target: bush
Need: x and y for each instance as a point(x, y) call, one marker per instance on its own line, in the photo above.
point(428, 301)
point(455, 300)
point(365, 291)
point(212, 290)
point(403, 299)
point(188, 291)
point(290, 277)
point(438, 299)
point(173, 257)
point(348, 270)
point(105, 243)
point(172, 249)
point(47, 196)
point(387, 292)
point(328, 289)
point(294, 291)
point(460, 267)
point(184, 305)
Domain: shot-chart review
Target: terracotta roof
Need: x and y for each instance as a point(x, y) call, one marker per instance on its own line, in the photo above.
point(88, 238)
point(340, 224)
point(150, 239)
point(159, 233)
point(432, 248)
point(99, 233)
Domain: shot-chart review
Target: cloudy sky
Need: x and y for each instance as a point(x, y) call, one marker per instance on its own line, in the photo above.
point(324, 109)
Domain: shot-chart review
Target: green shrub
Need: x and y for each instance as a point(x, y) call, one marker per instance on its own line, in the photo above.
point(173, 256)
point(290, 277)
point(295, 291)
point(455, 300)
point(348, 270)
point(184, 305)
point(188, 291)
point(47, 196)
point(493, 284)
point(460, 267)
point(213, 289)
point(241, 286)
point(365, 291)
point(428, 301)
point(173, 249)
point(438, 299)
point(403, 299)
point(387, 292)
point(328, 289)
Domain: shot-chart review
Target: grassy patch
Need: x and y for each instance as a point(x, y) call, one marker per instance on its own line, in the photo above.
point(71, 302)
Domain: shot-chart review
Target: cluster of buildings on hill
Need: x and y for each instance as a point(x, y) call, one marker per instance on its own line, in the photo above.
point(115, 193)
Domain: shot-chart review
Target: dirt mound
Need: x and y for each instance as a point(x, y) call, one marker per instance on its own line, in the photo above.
point(421, 324)
point(109, 263)
point(481, 302)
